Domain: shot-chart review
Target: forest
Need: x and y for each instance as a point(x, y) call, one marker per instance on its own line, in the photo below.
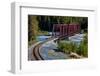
point(39, 24)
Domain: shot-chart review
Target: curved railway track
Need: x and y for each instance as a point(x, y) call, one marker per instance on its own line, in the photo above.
point(36, 52)
point(36, 49)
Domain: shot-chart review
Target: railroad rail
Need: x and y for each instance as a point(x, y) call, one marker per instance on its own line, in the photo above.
point(36, 50)
point(36, 53)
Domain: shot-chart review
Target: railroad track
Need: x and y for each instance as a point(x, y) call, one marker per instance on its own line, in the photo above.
point(36, 50)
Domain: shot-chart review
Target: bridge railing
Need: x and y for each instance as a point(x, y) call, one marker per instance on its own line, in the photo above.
point(65, 29)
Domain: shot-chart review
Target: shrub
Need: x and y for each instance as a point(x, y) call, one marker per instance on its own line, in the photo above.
point(67, 47)
point(81, 49)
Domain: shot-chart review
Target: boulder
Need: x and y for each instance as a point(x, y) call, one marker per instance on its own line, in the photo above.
point(75, 55)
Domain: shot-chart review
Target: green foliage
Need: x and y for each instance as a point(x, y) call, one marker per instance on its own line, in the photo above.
point(43, 32)
point(46, 22)
point(81, 49)
point(67, 47)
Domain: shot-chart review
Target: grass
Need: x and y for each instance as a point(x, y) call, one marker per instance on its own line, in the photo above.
point(81, 49)
point(43, 33)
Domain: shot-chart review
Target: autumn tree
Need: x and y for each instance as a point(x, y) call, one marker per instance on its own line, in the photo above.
point(32, 27)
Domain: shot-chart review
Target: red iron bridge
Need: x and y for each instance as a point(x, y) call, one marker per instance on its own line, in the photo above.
point(60, 30)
